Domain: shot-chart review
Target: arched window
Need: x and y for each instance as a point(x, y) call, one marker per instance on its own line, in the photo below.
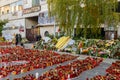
point(46, 33)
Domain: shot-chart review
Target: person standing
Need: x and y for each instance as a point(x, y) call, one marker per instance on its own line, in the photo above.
point(112, 36)
point(80, 45)
point(38, 37)
point(18, 39)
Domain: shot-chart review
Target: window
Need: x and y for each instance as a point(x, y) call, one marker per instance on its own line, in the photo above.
point(2, 12)
point(35, 2)
point(7, 11)
point(17, 6)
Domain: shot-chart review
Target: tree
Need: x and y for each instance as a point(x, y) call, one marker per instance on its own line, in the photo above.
point(83, 14)
point(2, 23)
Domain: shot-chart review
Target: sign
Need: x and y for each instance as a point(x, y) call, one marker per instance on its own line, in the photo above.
point(31, 10)
point(21, 29)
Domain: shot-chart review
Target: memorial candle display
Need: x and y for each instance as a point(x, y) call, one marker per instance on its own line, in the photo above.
point(35, 59)
point(71, 70)
point(113, 73)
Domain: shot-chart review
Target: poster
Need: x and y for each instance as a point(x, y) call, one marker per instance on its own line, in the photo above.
point(44, 19)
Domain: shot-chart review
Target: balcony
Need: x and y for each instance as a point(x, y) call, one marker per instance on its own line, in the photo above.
point(11, 16)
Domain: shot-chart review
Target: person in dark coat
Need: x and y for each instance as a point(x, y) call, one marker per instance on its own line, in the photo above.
point(38, 37)
point(18, 39)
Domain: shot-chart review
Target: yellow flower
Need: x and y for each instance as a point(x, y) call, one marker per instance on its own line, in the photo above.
point(106, 45)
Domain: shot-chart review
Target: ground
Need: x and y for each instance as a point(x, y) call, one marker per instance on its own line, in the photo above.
point(99, 70)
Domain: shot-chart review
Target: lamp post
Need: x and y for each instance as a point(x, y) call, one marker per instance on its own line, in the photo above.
point(54, 26)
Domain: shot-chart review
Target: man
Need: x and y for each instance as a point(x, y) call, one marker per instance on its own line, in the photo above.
point(38, 37)
point(112, 36)
point(18, 39)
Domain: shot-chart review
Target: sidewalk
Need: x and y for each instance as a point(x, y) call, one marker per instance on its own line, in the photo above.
point(28, 45)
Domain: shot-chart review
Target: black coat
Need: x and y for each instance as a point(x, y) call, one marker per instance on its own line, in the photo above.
point(18, 38)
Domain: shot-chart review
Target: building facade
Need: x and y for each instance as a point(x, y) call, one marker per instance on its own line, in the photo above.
point(27, 17)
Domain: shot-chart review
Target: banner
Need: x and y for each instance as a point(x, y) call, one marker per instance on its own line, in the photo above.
point(31, 10)
point(44, 19)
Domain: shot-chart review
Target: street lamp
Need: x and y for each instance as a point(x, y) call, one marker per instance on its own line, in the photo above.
point(54, 26)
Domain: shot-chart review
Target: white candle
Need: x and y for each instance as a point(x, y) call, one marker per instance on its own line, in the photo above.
point(37, 75)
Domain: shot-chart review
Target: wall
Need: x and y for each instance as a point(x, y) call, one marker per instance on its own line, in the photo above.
point(18, 23)
point(50, 29)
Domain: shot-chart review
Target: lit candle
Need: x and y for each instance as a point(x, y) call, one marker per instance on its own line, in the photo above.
point(37, 75)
